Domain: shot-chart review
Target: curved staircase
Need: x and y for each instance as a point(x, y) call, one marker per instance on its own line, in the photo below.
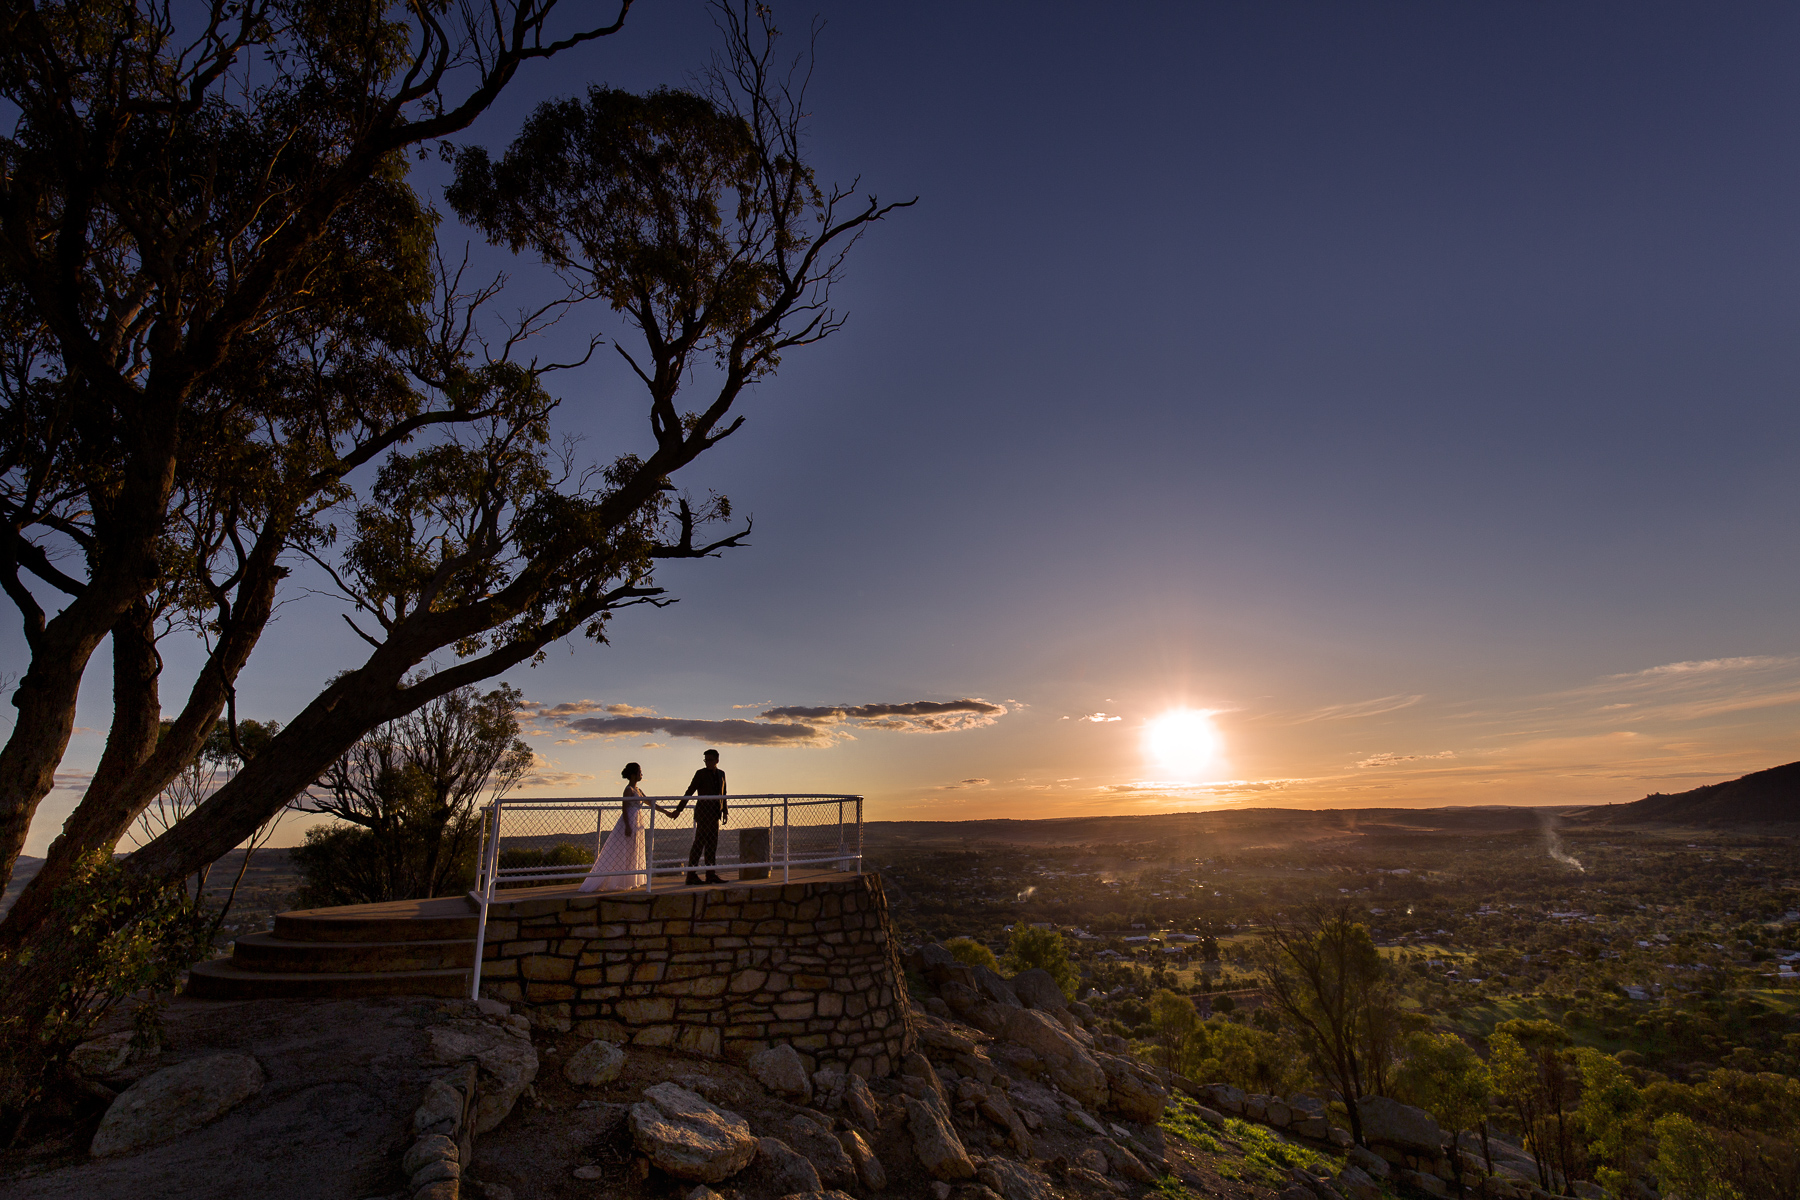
point(402, 948)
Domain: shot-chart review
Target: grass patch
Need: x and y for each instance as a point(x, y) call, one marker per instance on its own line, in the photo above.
point(1181, 1117)
point(1268, 1158)
point(1171, 1188)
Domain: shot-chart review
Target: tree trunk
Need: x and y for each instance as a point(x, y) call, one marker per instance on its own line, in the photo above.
point(129, 521)
point(125, 784)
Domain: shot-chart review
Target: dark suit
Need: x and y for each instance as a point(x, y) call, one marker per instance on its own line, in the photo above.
point(709, 810)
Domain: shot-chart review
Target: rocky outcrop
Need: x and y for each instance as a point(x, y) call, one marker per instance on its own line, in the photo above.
point(689, 1138)
point(175, 1100)
point(507, 1061)
point(1036, 989)
point(817, 1145)
point(784, 1169)
point(1390, 1123)
point(869, 1171)
point(940, 1150)
point(1066, 1061)
point(1132, 1090)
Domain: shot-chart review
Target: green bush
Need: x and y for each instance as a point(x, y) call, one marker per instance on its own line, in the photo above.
point(563, 854)
point(1046, 950)
point(972, 952)
point(347, 864)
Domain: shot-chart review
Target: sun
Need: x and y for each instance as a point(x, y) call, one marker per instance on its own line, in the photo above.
point(1183, 741)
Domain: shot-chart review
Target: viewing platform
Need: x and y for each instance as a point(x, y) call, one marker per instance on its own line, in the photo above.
point(536, 855)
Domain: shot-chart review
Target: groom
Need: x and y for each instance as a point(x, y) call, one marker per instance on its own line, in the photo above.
point(709, 811)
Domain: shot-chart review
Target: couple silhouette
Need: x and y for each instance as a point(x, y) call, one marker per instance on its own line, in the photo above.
point(625, 853)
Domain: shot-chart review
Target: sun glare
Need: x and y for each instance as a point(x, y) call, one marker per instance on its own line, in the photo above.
point(1183, 741)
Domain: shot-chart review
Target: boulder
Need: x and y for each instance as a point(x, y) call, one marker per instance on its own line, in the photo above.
point(1277, 1113)
point(1402, 1126)
point(947, 1038)
point(781, 1070)
point(174, 1101)
point(1125, 1163)
point(868, 1167)
point(917, 1067)
point(1227, 1099)
point(1256, 1106)
point(994, 1105)
point(935, 954)
point(508, 1064)
point(683, 1135)
point(1356, 1184)
point(1418, 1181)
point(594, 1064)
point(1018, 1181)
point(428, 1149)
point(935, 1141)
point(1067, 1063)
point(1036, 989)
point(859, 1104)
point(1131, 1091)
point(1093, 1159)
point(995, 987)
point(1368, 1161)
point(786, 1170)
point(1093, 1179)
point(440, 1109)
point(821, 1149)
point(828, 1087)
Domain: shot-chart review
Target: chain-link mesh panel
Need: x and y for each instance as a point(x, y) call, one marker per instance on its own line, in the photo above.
point(565, 842)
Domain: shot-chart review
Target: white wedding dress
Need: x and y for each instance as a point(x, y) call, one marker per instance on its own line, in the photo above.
point(620, 864)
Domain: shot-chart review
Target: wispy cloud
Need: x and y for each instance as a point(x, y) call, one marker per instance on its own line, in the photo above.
point(797, 725)
point(963, 783)
point(1356, 710)
point(731, 732)
point(1392, 760)
point(915, 716)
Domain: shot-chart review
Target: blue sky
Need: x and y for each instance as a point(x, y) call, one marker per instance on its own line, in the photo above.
point(1407, 386)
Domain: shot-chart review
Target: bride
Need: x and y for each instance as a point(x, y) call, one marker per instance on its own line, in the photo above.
point(622, 861)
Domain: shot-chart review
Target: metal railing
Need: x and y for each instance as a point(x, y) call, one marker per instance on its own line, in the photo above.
point(535, 843)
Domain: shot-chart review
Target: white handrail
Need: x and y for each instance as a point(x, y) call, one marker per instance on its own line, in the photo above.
point(489, 873)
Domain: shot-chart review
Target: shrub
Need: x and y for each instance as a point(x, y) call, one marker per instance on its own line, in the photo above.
point(562, 854)
point(127, 939)
point(972, 952)
point(1045, 950)
point(347, 864)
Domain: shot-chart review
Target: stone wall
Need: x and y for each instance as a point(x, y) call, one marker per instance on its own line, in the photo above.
point(725, 972)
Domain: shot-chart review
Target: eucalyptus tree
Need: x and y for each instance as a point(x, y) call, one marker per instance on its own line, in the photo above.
point(414, 461)
point(215, 282)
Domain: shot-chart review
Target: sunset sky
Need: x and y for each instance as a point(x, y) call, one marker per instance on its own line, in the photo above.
point(1405, 391)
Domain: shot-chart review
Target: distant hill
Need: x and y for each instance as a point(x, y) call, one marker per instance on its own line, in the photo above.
point(1769, 797)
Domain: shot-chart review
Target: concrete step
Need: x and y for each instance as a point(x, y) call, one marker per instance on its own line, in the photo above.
point(220, 979)
point(266, 952)
point(445, 918)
